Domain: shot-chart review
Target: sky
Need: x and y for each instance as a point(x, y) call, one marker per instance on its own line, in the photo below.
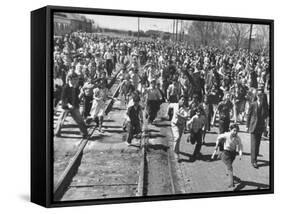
point(131, 23)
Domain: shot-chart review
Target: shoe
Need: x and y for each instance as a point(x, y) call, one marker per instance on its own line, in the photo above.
point(255, 165)
point(192, 159)
point(199, 156)
point(127, 143)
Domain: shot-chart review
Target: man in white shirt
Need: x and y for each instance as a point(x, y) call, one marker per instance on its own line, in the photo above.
point(231, 142)
point(178, 123)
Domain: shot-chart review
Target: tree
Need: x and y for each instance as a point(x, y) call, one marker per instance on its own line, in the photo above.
point(204, 33)
point(238, 33)
point(262, 36)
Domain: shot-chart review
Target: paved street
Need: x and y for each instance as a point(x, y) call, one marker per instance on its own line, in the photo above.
point(210, 176)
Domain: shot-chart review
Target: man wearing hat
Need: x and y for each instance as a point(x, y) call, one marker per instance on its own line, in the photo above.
point(256, 122)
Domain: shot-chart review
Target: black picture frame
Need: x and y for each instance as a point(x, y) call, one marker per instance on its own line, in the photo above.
point(41, 105)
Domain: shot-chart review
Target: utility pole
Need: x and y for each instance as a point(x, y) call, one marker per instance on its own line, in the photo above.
point(181, 38)
point(138, 29)
point(176, 30)
point(173, 30)
point(250, 38)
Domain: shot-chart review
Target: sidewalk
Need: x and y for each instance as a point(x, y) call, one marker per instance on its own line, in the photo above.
point(209, 176)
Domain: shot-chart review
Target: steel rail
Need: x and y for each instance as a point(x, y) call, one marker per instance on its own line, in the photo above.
point(65, 179)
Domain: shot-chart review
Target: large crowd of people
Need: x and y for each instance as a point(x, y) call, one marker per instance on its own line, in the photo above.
point(203, 87)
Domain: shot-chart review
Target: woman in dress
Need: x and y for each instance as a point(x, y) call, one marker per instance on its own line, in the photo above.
point(100, 95)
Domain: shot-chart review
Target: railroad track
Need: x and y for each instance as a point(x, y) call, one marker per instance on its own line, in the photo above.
point(157, 175)
point(65, 179)
point(130, 172)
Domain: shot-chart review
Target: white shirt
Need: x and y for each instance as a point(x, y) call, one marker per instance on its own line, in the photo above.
point(180, 115)
point(231, 143)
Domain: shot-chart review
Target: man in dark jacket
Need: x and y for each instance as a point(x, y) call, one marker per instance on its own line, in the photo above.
point(135, 118)
point(70, 104)
point(257, 114)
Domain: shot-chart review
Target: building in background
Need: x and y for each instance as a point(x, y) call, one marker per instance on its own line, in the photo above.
point(67, 22)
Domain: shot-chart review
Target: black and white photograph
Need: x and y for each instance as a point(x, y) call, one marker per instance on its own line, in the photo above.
point(146, 106)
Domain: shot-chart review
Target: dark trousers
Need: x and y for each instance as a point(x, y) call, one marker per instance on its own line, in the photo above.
point(227, 158)
point(133, 129)
point(196, 138)
point(77, 117)
point(223, 127)
point(87, 106)
point(109, 66)
point(255, 145)
point(153, 107)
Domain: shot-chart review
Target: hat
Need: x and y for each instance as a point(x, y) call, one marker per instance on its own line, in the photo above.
point(234, 125)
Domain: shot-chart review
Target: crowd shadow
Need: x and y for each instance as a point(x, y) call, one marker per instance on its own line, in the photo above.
point(202, 157)
point(106, 126)
point(162, 125)
point(242, 184)
point(249, 154)
point(207, 158)
point(209, 144)
point(114, 131)
point(96, 137)
point(67, 126)
point(108, 120)
point(153, 130)
point(157, 147)
point(152, 136)
point(263, 164)
point(70, 137)
point(186, 155)
point(118, 109)
point(71, 132)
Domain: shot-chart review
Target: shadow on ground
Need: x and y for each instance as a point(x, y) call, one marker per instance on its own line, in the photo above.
point(242, 184)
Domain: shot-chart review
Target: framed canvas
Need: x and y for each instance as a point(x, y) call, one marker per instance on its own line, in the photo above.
point(131, 106)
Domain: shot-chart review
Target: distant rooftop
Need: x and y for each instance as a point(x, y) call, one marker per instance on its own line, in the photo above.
point(74, 16)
